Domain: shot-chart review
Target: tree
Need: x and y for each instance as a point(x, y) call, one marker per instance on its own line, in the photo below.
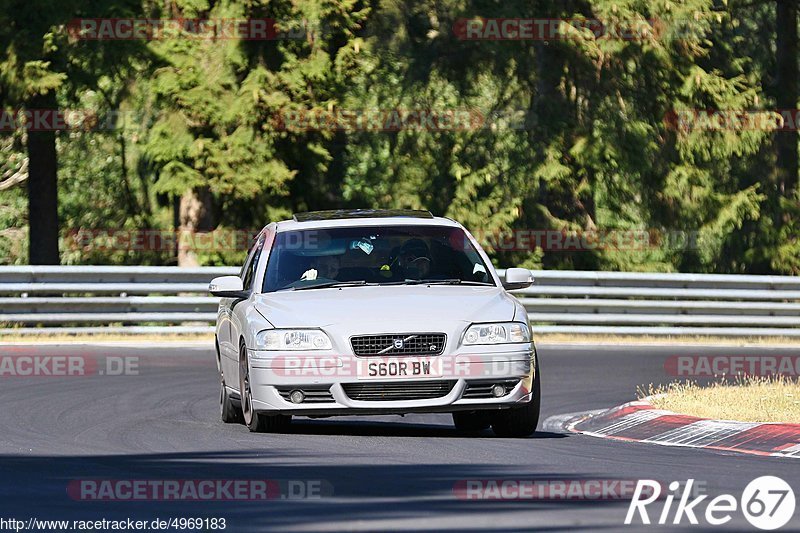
point(34, 70)
point(216, 138)
point(30, 80)
point(786, 81)
point(591, 148)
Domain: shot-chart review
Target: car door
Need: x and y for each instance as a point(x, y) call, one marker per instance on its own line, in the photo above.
point(238, 307)
point(226, 337)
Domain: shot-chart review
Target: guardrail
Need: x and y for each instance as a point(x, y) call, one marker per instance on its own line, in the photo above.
point(175, 300)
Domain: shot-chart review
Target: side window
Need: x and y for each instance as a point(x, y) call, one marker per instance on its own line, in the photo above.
point(248, 260)
point(252, 263)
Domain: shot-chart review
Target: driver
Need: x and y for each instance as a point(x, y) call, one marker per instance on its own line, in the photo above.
point(414, 260)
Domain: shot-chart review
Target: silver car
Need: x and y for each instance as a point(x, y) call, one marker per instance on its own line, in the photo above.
point(374, 312)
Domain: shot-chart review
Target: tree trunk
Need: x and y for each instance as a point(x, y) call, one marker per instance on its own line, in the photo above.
point(786, 95)
point(43, 189)
point(194, 215)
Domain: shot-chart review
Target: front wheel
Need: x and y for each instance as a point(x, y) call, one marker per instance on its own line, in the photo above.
point(520, 421)
point(517, 421)
point(255, 421)
point(229, 413)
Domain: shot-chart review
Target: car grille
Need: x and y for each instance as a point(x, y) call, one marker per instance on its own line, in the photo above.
point(413, 344)
point(483, 389)
point(388, 392)
point(312, 395)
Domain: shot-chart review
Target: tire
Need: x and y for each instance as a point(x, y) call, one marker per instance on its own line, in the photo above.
point(229, 413)
point(520, 421)
point(255, 421)
point(471, 420)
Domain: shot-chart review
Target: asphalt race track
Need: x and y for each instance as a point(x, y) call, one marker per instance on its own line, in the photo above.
point(371, 473)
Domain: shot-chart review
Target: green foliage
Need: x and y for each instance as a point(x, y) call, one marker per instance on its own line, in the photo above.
point(13, 205)
point(570, 135)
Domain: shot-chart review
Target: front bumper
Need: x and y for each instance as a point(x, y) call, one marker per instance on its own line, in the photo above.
point(334, 378)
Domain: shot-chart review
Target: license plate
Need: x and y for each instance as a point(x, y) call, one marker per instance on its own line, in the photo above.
point(399, 367)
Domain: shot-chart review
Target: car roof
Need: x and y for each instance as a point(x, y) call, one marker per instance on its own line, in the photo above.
point(336, 214)
point(363, 218)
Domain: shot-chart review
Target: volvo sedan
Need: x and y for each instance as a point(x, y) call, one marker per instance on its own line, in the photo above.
point(369, 312)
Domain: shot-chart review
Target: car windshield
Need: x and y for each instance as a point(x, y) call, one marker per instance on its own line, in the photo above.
point(385, 255)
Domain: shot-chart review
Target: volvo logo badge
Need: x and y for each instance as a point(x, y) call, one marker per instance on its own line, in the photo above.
point(398, 344)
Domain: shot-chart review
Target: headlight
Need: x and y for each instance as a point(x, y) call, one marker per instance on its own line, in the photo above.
point(292, 339)
point(497, 333)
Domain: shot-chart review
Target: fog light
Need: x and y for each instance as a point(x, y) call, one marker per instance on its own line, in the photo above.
point(498, 390)
point(297, 396)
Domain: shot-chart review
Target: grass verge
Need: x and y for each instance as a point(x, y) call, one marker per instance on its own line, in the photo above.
point(746, 399)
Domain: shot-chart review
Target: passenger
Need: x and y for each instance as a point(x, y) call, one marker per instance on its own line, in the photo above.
point(325, 266)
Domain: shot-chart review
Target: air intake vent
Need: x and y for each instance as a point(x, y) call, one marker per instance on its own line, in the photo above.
point(399, 344)
point(311, 395)
point(394, 392)
point(483, 389)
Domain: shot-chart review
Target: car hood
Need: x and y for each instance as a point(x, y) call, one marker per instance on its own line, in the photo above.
point(374, 309)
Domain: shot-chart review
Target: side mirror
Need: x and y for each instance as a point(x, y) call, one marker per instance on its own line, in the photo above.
point(517, 278)
point(227, 287)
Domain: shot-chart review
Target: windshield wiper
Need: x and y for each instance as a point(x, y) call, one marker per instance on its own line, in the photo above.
point(451, 281)
point(329, 284)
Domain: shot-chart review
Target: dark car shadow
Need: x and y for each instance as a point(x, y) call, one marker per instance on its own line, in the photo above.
point(386, 495)
point(369, 428)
